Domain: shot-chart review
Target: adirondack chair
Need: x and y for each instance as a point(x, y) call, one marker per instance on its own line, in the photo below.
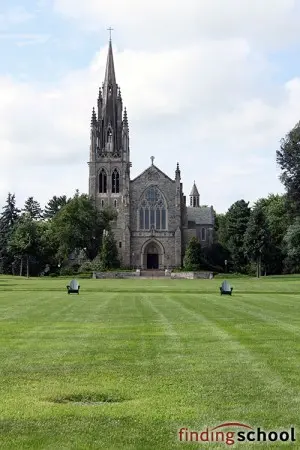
point(226, 289)
point(73, 287)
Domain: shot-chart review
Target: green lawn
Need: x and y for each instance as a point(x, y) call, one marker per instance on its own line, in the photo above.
point(165, 354)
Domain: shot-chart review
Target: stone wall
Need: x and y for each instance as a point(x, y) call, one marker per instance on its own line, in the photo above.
point(192, 275)
point(103, 275)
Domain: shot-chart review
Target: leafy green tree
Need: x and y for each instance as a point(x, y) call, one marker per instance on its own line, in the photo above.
point(54, 205)
point(276, 209)
point(257, 237)
point(33, 208)
point(109, 252)
point(292, 245)
point(288, 158)
point(79, 226)
point(237, 218)
point(24, 240)
point(193, 255)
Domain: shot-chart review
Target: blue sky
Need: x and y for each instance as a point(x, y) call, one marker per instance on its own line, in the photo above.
point(214, 87)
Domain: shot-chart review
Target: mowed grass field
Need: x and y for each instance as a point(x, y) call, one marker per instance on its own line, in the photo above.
point(127, 363)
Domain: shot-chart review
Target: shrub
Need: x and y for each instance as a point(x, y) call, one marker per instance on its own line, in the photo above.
point(68, 271)
point(85, 267)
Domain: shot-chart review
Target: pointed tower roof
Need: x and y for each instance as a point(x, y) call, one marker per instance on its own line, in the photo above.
point(110, 76)
point(194, 191)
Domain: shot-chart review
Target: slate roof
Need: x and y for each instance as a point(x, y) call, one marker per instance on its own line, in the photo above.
point(203, 215)
point(194, 191)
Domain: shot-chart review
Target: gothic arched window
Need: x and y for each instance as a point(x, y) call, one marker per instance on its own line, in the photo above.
point(115, 178)
point(152, 210)
point(109, 136)
point(102, 182)
point(203, 234)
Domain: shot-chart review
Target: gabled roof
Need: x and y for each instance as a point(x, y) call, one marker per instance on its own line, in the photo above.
point(149, 169)
point(202, 215)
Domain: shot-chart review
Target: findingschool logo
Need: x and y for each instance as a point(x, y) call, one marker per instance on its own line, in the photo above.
point(230, 433)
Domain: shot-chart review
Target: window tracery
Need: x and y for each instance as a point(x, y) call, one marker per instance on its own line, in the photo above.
point(152, 211)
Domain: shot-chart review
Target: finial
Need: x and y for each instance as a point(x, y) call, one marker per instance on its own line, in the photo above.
point(152, 159)
point(110, 29)
point(125, 119)
point(94, 117)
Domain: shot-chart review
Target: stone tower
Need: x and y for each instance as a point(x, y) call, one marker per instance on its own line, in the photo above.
point(194, 197)
point(109, 165)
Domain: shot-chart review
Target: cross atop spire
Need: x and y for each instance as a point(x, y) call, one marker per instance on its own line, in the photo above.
point(152, 159)
point(110, 29)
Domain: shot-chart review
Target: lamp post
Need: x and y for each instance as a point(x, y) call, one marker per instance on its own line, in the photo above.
point(225, 263)
point(133, 260)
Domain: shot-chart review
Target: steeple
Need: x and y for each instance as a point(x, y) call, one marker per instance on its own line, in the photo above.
point(109, 121)
point(194, 197)
point(110, 84)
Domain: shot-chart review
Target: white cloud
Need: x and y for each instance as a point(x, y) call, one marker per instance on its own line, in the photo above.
point(169, 22)
point(205, 98)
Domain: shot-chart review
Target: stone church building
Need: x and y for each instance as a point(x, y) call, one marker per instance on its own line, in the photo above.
point(154, 224)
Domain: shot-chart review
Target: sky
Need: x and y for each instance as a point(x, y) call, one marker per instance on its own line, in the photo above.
point(211, 84)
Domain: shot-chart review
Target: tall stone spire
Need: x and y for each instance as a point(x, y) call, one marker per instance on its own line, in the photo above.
point(110, 76)
point(111, 137)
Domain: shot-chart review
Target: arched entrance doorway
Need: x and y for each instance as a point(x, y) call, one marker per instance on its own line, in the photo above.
point(152, 255)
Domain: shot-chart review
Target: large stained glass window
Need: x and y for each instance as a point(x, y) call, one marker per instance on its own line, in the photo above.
point(152, 212)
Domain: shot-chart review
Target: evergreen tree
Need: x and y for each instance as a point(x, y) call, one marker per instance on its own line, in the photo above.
point(237, 218)
point(33, 208)
point(109, 253)
point(54, 205)
point(8, 219)
point(193, 257)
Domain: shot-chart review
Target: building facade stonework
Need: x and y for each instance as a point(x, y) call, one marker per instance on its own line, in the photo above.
point(153, 225)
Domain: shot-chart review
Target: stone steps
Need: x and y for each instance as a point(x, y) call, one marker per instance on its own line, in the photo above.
point(152, 273)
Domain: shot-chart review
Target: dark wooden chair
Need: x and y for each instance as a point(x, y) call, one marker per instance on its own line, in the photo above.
point(73, 287)
point(226, 289)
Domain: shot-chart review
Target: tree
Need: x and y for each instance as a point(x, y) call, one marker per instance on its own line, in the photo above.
point(193, 257)
point(237, 218)
point(8, 219)
point(33, 208)
point(24, 240)
point(79, 226)
point(278, 218)
point(10, 212)
point(257, 237)
point(222, 229)
point(292, 245)
point(54, 206)
point(109, 253)
point(288, 158)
